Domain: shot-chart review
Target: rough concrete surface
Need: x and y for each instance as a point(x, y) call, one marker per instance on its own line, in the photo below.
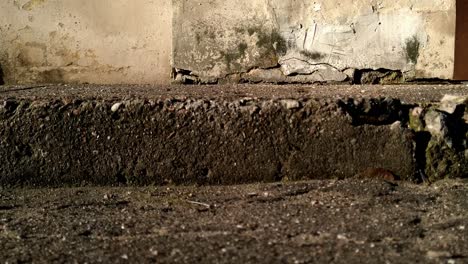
point(67, 135)
point(348, 221)
point(408, 94)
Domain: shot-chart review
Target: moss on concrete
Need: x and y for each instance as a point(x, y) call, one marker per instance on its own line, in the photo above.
point(415, 123)
point(268, 39)
point(443, 162)
point(242, 47)
point(268, 43)
point(412, 49)
point(393, 77)
point(272, 41)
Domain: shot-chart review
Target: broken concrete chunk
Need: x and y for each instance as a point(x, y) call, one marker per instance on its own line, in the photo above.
point(436, 123)
point(290, 104)
point(317, 72)
point(396, 125)
point(277, 76)
point(265, 75)
point(292, 66)
point(450, 103)
point(350, 73)
point(380, 77)
point(328, 75)
point(179, 78)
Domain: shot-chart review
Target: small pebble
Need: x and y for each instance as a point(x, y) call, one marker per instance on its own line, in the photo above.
point(341, 237)
point(291, 104)
point(438, 254)
point(116, 107)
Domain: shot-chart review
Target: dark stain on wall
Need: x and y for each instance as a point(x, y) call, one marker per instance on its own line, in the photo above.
point(53, 76)
point(412, 49)
point(242, 47)
point(231, 58)
point(311, 54)
point(270, 40)
point(198, 38)
point(273, 41)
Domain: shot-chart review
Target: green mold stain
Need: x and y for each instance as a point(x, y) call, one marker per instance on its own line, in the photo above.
point(412, 49)
point(269, 40)
point(272, 41)
point(242, 47)
point(231, 58)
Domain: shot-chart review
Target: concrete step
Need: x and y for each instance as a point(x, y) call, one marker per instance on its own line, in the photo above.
point(60, 135)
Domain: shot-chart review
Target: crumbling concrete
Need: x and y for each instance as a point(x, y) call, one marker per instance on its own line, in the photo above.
point(315, 41)
point(443, 133)
point(222, 135)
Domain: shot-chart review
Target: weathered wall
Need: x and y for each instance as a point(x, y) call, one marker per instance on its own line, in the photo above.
point(304, 41)
point(96, 41)
point(209, 41)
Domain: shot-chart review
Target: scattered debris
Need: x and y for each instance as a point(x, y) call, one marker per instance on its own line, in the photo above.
point(115, 107)
point(200, 203)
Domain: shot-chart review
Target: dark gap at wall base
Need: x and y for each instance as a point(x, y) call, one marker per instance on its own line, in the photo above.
point(461, 42)
point(2, 82)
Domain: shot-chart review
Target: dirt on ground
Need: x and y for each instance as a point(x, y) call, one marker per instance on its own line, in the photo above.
point(326, 221)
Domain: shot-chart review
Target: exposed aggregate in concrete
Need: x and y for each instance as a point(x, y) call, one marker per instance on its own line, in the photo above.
point(211, 140)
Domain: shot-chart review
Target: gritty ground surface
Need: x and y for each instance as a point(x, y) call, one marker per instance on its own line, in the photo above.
point(407, 93)
point(350, 221)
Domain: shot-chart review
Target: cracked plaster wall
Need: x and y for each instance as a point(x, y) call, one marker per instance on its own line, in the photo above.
point(307, 41)
point(95, 41)
point(121, 41)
